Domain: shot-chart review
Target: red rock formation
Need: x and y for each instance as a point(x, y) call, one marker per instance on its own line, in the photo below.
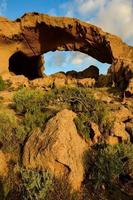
point(35, 34)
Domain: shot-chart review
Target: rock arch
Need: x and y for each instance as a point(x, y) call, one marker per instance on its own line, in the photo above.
point(35, 34)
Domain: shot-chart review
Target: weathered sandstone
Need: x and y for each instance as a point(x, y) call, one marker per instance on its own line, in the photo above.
point(58, 149)
point(25, 40)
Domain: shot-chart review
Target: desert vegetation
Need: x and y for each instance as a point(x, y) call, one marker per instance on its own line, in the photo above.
point(108, 168)
point(2, 84)
point(66, 136)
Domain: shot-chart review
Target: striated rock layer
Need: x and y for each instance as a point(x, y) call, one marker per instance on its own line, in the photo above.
point(22, 43)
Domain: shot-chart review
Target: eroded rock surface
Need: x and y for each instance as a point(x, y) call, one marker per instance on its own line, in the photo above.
point(35, 34)
point(58, 149)
point(3, 165)
point(129, 90)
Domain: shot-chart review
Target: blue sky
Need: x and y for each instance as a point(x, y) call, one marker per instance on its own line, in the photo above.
point(114, 16)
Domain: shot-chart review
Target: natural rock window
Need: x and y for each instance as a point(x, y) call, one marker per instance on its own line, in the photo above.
point(62, 61)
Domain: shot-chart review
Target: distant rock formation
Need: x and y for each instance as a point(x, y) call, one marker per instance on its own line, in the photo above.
point(24, 41)
point(90, 72)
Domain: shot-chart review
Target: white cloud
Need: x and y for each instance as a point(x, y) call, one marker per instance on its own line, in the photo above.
point(58, 58)
point(3, 6)
point(52, 12)
point(117, 18)
point(77, 58)
point(114, 16)
point(89, 6)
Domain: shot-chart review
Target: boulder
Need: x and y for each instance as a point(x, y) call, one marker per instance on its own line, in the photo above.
point(59, 75)
point(45, 82)
point(112, 140)
point(59, 82)
point(129, 129)
point(71, 82)
point(123, 114)
point(102, 96)
point(94, 132)
point(129, 90)
point(119, 131)
point(59, 149)
point(121, 72)
point(16, 81)
point(86, 82)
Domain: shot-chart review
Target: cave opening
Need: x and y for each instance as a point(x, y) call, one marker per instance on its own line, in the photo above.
point(58, 61)
point(21, 64)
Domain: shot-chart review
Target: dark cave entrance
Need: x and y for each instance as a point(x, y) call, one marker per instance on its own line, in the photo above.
point(20, 64)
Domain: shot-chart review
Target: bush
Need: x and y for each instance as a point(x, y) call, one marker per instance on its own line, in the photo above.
point(101, 115)
point(30, 122)
point(62, 191)
point(2, 84)
point(31, 104)
point(8, 126)
point(108, 163)
point(82, 126)
point(80, 101)
point(38, 185)
point(28, 100)
point(35, 184)
point(38, 106)
point(39, 119)
point(87, 109)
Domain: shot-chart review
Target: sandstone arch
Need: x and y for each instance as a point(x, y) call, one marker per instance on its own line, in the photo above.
point(35, 34)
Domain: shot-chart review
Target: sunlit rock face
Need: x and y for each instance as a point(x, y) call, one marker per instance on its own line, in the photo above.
point(34, 34)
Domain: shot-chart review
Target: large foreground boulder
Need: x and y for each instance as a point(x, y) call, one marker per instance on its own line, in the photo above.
point(59, 149)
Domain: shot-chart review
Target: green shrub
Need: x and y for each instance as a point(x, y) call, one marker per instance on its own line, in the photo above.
point(82, 102)
point(28, 100)
point(30, 122)
point(31, 104)
point(35, 106)
point(2, 84)
point(36, 184)
point(82, 125)
point(87, 109)
point(39, 119)
point(21, 134)
point(101, 115)
point(107, 163)
point(8, 126)
point(62, 190)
